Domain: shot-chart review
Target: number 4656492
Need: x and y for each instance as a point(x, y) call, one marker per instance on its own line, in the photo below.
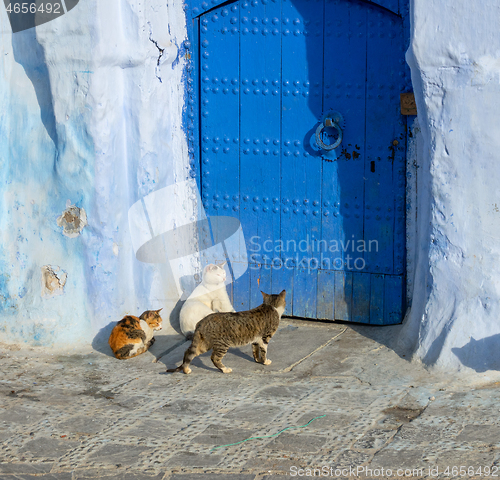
point(34, 8)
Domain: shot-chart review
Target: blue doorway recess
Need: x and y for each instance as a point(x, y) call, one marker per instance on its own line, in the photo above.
point(295, 128)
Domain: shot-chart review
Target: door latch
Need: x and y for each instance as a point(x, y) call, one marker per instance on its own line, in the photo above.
point(330, 120)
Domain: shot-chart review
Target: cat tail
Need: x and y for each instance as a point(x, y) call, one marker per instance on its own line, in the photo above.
point(196, 348)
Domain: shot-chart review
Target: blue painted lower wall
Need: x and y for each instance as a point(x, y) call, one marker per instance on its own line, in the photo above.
point(89, 126)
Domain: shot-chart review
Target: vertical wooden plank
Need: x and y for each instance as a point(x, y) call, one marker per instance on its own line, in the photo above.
point(260, 280)
point(331, 256)
point(393, 300)
point(219, 98)
point(241, 291)
point(306, 283)
point(260, 79)
point(343, 296)
point(301, 106)
point(326, 295)
point(191, 113)
point(385, 137)
point(282, 278)
point(345, 78)
point(361, 297)
point(255, 295)
point(377, 300)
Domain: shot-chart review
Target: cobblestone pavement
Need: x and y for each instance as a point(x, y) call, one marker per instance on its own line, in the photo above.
point(84, 414)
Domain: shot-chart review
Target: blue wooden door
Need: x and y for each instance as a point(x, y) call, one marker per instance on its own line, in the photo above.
point(275, 79)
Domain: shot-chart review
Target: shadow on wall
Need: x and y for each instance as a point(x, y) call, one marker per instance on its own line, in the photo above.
point(30, 55)
point(480, 355)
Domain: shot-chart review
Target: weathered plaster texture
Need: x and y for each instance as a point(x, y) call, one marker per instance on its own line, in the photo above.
point(454, 322)
point(91, 122)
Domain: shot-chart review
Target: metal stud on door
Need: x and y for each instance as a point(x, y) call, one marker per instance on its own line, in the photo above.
point(301, 138)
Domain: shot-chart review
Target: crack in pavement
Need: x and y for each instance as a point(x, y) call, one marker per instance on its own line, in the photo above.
point(291, 367)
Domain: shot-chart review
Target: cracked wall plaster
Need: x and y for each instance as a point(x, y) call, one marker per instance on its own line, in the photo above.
point(85, 117)
point(73, 220)
point(53, 281)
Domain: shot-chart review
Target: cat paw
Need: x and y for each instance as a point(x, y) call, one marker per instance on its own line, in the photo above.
point(227, 370)
point(187, 371)
point(268, 362)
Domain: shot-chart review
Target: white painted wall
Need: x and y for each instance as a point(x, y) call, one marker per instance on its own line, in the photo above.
point(454, 321)
point(89, 119)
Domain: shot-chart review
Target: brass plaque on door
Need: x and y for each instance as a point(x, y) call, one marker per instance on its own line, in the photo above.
point(408, 105)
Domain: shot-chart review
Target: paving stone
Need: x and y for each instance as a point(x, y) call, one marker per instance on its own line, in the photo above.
point(97, 472)
point(217, 435)
point(185, 407)
point(48, 448)
point(351, 458)
point(211, 476)
point(4, 434)
point(154, 429)
point(290, 442)
point(283, 391)
point(25, 468)
point(485, 434)
point(347, 397)
point(418, 435)
point(299, 471)
point(395, 459)
point(456, 456)
point(268, 464)
point(336, 420)
point(83, 424)
point(221, 385)
point(117, 454)
point(372, 439)
point(46, 476)
point(121, 476)
point(255, 413)
point(22, 415)
point(193, 460)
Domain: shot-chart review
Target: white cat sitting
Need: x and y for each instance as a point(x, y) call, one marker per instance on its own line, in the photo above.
point(208, 297)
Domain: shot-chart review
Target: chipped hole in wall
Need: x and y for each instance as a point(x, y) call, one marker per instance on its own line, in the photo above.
point(53, 281)
point(73, 220)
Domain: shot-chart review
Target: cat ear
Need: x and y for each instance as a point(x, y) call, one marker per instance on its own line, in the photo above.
point(283, 294)
point(265, 295)
point(221, 265)
point(158, 311)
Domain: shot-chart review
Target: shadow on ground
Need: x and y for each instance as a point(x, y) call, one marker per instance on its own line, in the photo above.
point(100, 342)
point(387, 335)
point(163, 343)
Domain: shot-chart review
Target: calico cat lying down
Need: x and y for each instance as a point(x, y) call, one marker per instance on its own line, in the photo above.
point(220, 331)
point(132, 336)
